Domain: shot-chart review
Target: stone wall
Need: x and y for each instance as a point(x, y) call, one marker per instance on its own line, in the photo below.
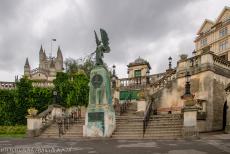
point(206, 86)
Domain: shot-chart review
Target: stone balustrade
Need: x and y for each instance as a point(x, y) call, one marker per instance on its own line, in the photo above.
point(37, 70)
point(139, 82)
point(7, 85)
point(207, 61)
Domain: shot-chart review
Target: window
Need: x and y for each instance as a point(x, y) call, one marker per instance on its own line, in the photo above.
point(223, 32)
point(137, 73)
point(223, 45)
point(203, 42)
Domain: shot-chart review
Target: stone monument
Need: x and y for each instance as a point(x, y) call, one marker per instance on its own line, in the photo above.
point(100, 115)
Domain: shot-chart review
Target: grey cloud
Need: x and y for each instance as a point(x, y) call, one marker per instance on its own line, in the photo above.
point(132, 26)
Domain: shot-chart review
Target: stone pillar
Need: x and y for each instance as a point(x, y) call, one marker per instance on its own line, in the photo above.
point(190, 122)
point(227, 127)
point(34, 123)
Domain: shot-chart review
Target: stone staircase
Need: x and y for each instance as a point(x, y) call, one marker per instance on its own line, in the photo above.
point(130, 126)
point(75, 130)
point(50, 132)
point(164, 126)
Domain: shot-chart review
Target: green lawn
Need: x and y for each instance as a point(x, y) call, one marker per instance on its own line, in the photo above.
point(12, 135)
point(18, 131)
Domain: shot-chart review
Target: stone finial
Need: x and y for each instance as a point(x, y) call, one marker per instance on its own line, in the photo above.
point(183, 56)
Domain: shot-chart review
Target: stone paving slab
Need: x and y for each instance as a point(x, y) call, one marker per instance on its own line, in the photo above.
point(111, 146)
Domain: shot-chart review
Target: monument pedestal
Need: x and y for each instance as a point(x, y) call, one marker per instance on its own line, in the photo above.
point(190, 122)
point(100, 115)
point(100, 121)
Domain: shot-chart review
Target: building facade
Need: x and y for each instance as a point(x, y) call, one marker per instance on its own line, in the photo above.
point(216, 35)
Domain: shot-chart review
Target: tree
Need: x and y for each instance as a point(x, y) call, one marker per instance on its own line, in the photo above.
point(23, 99)
point(72, 88)
point(74, 66)
point(7, 107)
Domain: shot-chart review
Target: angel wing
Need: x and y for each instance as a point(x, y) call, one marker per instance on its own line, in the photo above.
point(105, 40)
point(97, 40)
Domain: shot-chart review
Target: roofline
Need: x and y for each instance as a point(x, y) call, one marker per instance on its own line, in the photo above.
point(222, 12)
point(205, 21)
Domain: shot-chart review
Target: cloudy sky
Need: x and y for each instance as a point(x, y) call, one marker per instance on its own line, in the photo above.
point(152, 29)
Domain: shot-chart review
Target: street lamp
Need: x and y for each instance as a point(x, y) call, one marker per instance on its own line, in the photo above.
point(194, 52)
point(147, 76)
point(187, 85)
point(170, 62)
point(55, 96)
point(114, 77)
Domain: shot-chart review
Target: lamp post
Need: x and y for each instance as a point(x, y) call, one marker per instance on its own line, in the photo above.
point(114, 77)
point(194, 52)
point(188, 85)
point(170, 62)
point(55, 96)
point(147, 76)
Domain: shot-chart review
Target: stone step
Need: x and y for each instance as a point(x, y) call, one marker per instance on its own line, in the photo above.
point(148, 128)
point(149, 131)
point(148, 137)
point(131, 124)
point(152, 121)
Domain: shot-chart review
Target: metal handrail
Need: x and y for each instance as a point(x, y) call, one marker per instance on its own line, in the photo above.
point(66, 121)
point(147, 116)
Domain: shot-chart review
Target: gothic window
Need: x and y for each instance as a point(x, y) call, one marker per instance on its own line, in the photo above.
point(223, 45)
point(204, 42)
point(223, 32)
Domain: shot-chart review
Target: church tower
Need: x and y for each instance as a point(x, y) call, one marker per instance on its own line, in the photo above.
point(59, 60)
point(42, 58)
point(27, 68)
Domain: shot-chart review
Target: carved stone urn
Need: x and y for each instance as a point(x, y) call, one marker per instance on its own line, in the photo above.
point(32, 112)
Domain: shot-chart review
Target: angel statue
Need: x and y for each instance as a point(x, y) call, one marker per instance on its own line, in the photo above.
point(102, 46)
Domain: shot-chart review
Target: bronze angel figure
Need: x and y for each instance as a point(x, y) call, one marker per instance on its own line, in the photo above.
point(102, 46)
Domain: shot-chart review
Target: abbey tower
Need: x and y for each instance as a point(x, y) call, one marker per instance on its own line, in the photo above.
point(48, 67)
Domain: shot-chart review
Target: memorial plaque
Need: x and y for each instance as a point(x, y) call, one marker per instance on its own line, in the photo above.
point(96, 116)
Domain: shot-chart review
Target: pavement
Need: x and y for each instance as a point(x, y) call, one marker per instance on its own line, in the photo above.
point(209, 143)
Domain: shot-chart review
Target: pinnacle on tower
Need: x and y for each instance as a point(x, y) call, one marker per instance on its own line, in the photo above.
point(27, 62)
point(59, 53)
point(41, 49)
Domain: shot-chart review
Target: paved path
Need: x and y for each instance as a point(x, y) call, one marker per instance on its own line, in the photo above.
point(206, 145)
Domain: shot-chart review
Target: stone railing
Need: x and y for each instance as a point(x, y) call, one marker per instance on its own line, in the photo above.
point(203, 62)
point(139, 82)
point(7, 85)
point(135, 82)
point(37, 124)
point(221, 62)
point(38, 70)
point(43, 84)
point(161, 83)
